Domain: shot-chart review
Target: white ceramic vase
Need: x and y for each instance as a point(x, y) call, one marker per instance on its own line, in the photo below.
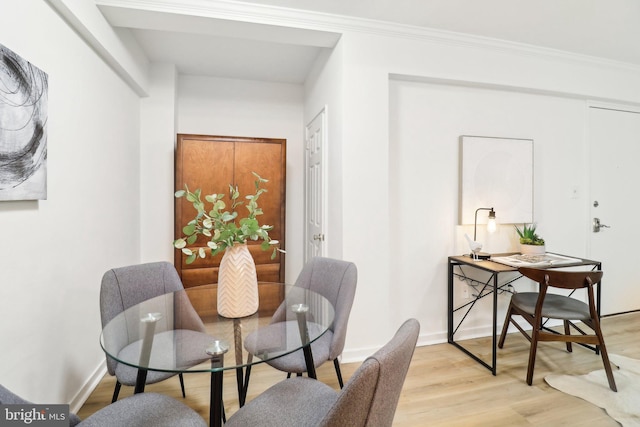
point(532, 249)
point(237, 283)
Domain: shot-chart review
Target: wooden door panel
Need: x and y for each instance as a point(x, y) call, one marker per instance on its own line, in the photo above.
point(265, 160)
point(212, 163)
point(204, 299)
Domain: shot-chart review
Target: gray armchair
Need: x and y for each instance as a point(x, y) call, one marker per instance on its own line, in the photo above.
point(127, 286)
point(369, 398)
point(335, 280)
point(140, 410)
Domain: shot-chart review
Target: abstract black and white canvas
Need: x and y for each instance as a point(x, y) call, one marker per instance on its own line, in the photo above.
point(23, 128)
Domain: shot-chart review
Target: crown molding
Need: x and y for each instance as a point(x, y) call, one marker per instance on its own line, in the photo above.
point(301, 19)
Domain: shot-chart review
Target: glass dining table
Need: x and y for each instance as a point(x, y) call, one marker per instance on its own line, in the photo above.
point(168, 334)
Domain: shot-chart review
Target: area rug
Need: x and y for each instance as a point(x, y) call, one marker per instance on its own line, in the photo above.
point(623, 406)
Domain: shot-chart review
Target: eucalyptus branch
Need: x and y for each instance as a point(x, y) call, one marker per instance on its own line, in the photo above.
point(222, 227)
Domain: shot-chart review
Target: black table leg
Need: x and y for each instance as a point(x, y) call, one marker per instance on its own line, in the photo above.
point(141, 380)
point(237, 339)
point(301, 315)
point(215, 404)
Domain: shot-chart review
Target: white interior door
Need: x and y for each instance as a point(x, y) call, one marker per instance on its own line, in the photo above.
point(315, 136)
point(614, 137)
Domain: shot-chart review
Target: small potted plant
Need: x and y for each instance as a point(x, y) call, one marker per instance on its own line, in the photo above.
point(530, 242)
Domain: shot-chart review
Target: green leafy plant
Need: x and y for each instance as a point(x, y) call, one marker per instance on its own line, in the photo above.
point(222, 227)
point(528, 235)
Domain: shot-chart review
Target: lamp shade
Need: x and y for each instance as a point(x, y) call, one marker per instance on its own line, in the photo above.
point(491, 224)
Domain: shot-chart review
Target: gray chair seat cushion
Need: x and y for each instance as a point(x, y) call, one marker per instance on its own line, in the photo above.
point(192, 347)
point(267, 340)
point(295, 402)
point(555, 306)
point(145, 410)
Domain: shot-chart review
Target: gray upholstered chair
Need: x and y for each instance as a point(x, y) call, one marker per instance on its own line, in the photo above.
point(140, 410)
point(127, 286)
point(536, 307)
point(369, 398)
point(335, 280)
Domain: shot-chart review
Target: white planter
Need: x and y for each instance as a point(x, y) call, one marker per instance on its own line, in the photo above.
point(532, 249)
point(237, 283)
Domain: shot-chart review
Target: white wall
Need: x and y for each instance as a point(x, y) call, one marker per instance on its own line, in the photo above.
point(527, 94)
point(157, 149)
point(98, 181)
point(215, 106)
point(55, 251)
point(323, 90)
point(426, 121)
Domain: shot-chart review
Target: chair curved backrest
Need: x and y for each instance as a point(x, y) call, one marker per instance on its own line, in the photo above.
point(125, 287)
point(336, 281)
point(565, 280)
point(371, 395)
point(139, 409)
point(562, 278)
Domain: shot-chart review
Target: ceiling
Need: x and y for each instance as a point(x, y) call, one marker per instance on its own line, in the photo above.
point(200, 45)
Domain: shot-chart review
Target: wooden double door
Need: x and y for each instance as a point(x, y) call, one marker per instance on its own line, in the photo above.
point(212, 163)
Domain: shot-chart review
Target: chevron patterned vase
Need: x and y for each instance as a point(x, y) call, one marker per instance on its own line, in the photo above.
point(237, 283)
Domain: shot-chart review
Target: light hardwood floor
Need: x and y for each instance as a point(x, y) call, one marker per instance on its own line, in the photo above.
point(444, 387)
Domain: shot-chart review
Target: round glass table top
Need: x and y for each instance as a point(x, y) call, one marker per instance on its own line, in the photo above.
point(167, 333)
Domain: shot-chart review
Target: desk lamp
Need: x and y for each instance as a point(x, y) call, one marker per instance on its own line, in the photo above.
point(491, 227)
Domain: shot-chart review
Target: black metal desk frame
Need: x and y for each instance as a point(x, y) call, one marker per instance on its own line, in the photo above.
point(492, 287)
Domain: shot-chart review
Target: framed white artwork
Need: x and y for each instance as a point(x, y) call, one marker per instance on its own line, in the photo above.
point(23, 128)
point(496, 172)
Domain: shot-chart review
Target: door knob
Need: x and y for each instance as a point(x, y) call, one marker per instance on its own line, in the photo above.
point(318, 237)
point(597, 225)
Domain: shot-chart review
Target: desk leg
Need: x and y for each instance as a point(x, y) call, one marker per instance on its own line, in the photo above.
point(494, 339)
point(215, 403)
point(450, 304)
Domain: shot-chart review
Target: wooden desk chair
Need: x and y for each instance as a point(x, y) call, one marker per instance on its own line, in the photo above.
point(536, 306)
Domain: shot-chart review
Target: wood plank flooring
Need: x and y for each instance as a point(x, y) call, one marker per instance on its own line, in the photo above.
point(444, 387)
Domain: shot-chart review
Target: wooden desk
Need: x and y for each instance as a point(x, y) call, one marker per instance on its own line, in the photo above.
point(491, 287)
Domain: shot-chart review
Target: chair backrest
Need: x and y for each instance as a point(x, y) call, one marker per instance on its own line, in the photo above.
point(371, 395)
point(336, 281)
point(125, 287)
point(7, 397)
point(565, 280)
point(562, 279)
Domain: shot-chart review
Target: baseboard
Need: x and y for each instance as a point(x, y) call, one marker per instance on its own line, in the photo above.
point(359, 355)
point(85, 391)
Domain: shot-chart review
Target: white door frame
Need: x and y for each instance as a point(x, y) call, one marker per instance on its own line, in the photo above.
point(309, 193)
